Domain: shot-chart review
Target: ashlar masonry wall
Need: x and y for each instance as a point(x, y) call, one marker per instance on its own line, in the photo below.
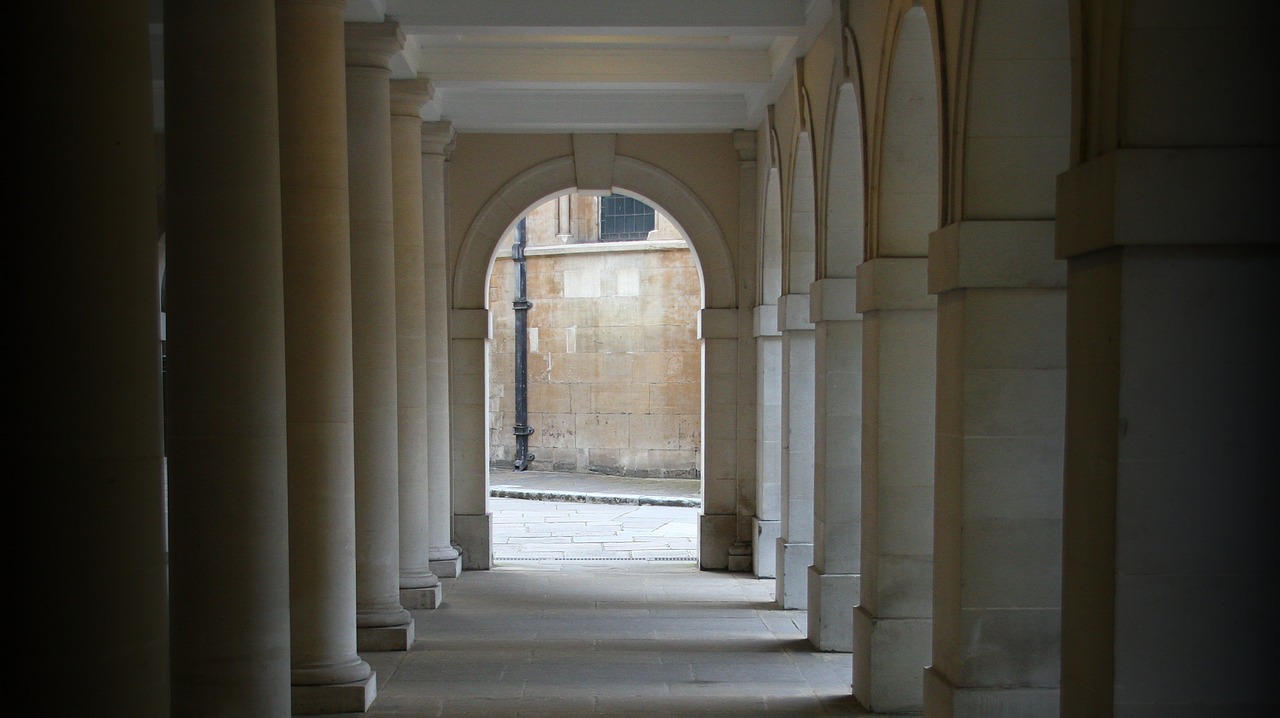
point(614, 359)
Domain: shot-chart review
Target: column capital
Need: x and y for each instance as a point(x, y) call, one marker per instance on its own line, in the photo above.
point(834, 299)
point(408, 96)
point(793, 313)
point(764, 321)
point(1166, 196)
point(894, 283)
point(438, 138)
point(373, 44)
point(995, 253)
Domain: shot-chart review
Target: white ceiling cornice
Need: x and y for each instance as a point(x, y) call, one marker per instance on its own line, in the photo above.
point(700, 17)
point(593, 65)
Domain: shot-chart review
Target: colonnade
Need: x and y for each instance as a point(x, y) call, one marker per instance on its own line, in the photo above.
point(301, 380)
point(1013, 449)
point(1056, 387)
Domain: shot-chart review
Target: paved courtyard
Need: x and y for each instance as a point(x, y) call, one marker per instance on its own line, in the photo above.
point(526, 531)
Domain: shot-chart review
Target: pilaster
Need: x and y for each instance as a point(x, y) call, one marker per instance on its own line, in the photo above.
point(437, 140)
point(998, 486)
point(892, 622)
point(1170, 424)
point(795, 542)
point(744, 553)
point(837, 472)
point(767, 523)
point(718, 524)
point(469, 332)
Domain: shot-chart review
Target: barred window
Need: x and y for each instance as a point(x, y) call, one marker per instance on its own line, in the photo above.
point(624, 218)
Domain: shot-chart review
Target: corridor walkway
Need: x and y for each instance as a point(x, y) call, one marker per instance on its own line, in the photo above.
point(595, 607)
point(648, 640)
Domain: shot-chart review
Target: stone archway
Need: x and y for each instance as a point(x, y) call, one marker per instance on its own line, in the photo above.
point(469, 333)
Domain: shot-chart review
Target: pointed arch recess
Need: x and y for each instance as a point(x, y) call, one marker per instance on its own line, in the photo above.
point(771, 240)
point(771, 235)
point(1011, 115)
point(905, 171)
point(843, 241)
point(800, 237)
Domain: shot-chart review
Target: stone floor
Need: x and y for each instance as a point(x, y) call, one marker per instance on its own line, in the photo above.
point(649, 640)
point(595, 607)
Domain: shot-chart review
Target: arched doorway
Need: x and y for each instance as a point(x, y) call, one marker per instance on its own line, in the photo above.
point(593, 302)
point(470, 332)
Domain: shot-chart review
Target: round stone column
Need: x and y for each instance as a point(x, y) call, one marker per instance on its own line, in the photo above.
point(313, 151)
point(419, 587)
point(89, 402)
point(437, 141)
point(382, 623)
point(229, 552)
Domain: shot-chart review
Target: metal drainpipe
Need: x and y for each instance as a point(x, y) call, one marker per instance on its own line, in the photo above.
point(521, 306)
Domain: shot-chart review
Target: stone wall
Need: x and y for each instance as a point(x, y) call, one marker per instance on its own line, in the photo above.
point(614, 358)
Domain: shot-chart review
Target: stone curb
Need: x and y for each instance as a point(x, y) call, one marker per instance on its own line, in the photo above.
point(593, 498)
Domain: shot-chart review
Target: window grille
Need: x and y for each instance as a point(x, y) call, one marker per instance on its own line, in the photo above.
point(624, 218)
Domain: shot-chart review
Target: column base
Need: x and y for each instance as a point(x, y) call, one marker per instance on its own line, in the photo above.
point(354, 697)
point(946, 700)
point(419, 598)
point(740, 557)
point(764, 561)
point(446, 567)
point(831, 600)
point(888, 656)
point(475, 539)
point(385, 638)
point(716, 536)
point(794, 560)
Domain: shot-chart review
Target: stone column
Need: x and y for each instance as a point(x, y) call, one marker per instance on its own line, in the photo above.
point(419, 587)
point(382, 622)
point(86, 448)
point(718, 524)
point(795, 544)
point(998, 493)
point(1169, 495)
point(892, 623)
point(837, 469)
point(742, 555)
point(469, 331)
point(1171, 465)
point(767, 524)
point(437, 141)
point(228, 539)
point(328, 675)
